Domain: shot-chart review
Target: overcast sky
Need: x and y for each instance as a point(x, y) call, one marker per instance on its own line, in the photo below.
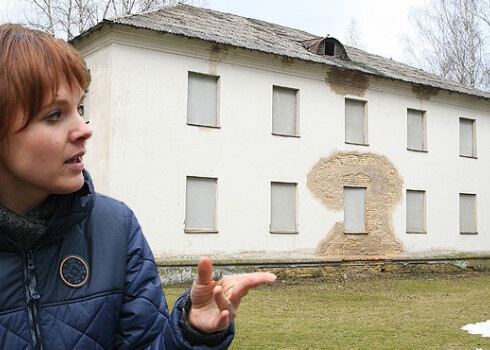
point(380, 22)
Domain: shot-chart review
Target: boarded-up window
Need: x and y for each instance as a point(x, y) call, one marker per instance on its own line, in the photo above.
point(284, 111)
point(467, 137)
point(415, 211)
point(200, 204)
point(355, 122)
point(416, 130)
point(467, 213)
point(354, 209)
point(283, 207)
point(202, 100)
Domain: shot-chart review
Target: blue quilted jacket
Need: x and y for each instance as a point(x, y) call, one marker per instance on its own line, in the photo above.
point(90, 283)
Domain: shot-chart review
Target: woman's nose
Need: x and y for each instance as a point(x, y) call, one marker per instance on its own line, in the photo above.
point(81, 130)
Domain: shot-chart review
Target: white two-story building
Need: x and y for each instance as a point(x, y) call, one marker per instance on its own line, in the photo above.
point(230, 136)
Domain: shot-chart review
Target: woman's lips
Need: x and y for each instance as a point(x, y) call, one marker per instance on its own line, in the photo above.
point(75, 163)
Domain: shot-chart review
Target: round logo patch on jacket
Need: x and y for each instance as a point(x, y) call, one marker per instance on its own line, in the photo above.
point(74, 271)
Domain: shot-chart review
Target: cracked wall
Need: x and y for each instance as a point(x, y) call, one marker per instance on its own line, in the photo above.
point(383, 194)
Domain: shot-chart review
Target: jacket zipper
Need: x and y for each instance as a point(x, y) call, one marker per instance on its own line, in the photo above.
point(32, 298)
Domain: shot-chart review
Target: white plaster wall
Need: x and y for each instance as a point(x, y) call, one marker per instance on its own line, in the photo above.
point(98, 110)
point(152, 150)
point(441, 172)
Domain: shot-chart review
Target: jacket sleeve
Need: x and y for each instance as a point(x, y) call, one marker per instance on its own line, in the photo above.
point(145, 322)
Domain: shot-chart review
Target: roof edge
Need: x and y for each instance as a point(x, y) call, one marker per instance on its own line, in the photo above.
point(308, 44)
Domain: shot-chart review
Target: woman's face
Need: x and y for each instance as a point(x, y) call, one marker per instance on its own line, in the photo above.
point(45, 157)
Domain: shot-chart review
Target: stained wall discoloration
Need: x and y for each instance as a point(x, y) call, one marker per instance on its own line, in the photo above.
point(217, 53)
point(347, 82)
point(383, 184)
point(287, 61)
point(424, 92)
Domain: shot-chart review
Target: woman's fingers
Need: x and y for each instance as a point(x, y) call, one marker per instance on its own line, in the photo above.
point(247, 282)
point(217, 301)
point(223, 320)
point(204, 271)
point(221, 300)
point(202, 289)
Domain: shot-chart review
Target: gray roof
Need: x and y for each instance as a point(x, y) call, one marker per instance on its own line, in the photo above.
point(247, 33)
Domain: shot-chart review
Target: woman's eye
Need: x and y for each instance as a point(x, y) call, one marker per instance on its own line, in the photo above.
point(54, 117)
point(81, 110)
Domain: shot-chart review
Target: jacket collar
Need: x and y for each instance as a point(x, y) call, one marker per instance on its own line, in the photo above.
point(73, 208)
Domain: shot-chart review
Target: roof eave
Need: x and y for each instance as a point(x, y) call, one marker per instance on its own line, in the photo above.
point(332, 61)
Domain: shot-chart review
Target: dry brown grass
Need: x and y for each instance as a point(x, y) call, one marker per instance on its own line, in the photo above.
point(410, 313)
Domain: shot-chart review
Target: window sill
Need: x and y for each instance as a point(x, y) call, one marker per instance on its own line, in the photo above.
point(417, 232)
point(417, 150)
point(355, 232)
point(471, 157)
point(283, 232)
point(200, 231)
point(285, 135)
point(357, 144)
point(205, 126)
point(468, 233)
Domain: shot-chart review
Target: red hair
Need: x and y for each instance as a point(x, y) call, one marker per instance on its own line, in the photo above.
point(32, 64)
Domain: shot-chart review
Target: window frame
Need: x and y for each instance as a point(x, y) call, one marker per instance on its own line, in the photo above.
point(218, 98)
point(424, 212)
point(296, 224)
point(365, 121)
point(424, 130)
point(473, 134)
point(357, 232)
point(194, 230)
point(297, 96)
point(475, 214)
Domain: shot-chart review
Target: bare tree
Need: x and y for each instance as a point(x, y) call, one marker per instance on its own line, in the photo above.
point(353, 35)
point(43, 11)
point(453, 40)
point(482, 11)
point(68, 18)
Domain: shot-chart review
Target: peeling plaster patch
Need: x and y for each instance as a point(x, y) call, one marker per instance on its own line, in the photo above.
point(383, 184)
point(347, 82)
point(424, 92)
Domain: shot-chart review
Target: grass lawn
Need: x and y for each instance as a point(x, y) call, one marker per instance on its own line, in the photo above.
point(368, 314)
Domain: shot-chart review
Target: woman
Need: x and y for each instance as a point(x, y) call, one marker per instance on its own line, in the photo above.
point(76, 271)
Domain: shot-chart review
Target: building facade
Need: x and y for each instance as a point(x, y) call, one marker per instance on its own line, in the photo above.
point(234, 137)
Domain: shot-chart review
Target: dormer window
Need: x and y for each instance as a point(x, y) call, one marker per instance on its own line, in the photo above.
point(327, 47)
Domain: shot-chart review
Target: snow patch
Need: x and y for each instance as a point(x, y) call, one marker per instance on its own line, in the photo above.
point(482, 328)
